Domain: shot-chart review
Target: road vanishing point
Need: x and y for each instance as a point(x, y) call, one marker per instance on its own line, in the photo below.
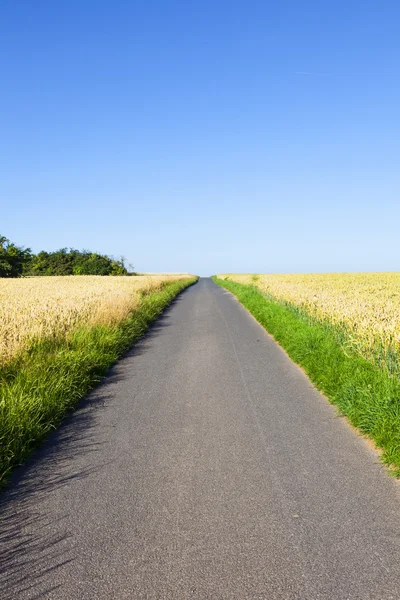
point(204, 466)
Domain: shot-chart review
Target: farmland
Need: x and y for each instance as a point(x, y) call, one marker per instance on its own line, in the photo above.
point(344, 330)
point(363, 307)
point(41, 308)
point(58, 337)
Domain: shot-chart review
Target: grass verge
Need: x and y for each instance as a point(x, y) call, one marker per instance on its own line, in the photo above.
point(366, 394)
point(40, 387)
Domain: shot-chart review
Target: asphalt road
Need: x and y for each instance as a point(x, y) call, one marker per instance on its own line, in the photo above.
point(206, 466)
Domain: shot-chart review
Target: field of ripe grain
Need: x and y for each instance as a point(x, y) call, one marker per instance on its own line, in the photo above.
point(36, 308)
point(343, 330)
point(365, 307)
point(58, 338)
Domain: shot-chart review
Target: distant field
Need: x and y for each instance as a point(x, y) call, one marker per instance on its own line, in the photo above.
point(364, 307)
point(37, 308)
point(344, 330)
point(58, 337)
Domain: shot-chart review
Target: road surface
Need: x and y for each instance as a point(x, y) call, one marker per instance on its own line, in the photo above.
point(205, 466)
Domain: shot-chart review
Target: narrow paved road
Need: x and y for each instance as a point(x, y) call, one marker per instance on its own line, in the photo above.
point(206, 466)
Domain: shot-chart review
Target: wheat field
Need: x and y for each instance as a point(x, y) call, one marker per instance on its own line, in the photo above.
point(34, 308)
point(366, 306)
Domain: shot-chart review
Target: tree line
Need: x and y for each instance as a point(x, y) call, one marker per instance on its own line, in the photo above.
point(16, 261)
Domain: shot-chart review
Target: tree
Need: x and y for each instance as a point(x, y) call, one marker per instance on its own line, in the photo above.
point(75, 262)
point(13, 259)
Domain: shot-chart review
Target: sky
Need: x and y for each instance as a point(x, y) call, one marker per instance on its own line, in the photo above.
point(204, 137)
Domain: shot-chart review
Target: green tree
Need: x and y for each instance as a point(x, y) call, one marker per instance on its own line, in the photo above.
point(75, 262)
point(13, 259)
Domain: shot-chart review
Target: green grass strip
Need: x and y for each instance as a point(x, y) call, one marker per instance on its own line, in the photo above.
point(366, 394)
point(39, 388)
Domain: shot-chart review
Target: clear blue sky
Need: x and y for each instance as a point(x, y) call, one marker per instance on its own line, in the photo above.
point(203, 136)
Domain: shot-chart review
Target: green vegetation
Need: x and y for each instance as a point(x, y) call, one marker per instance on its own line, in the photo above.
point(13, 259)
point(16, 261)
point(367, 395)
point(39, 387)
point(74, 262)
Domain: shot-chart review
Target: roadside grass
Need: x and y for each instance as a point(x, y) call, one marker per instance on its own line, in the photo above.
point(367, 395)
point(41, 385)
point(364, 308)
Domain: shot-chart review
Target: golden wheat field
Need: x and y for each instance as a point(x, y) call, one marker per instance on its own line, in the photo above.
point(34, 308)
point(366, 305)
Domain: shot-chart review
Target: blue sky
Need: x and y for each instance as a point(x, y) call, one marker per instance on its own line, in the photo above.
point(203, 136)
